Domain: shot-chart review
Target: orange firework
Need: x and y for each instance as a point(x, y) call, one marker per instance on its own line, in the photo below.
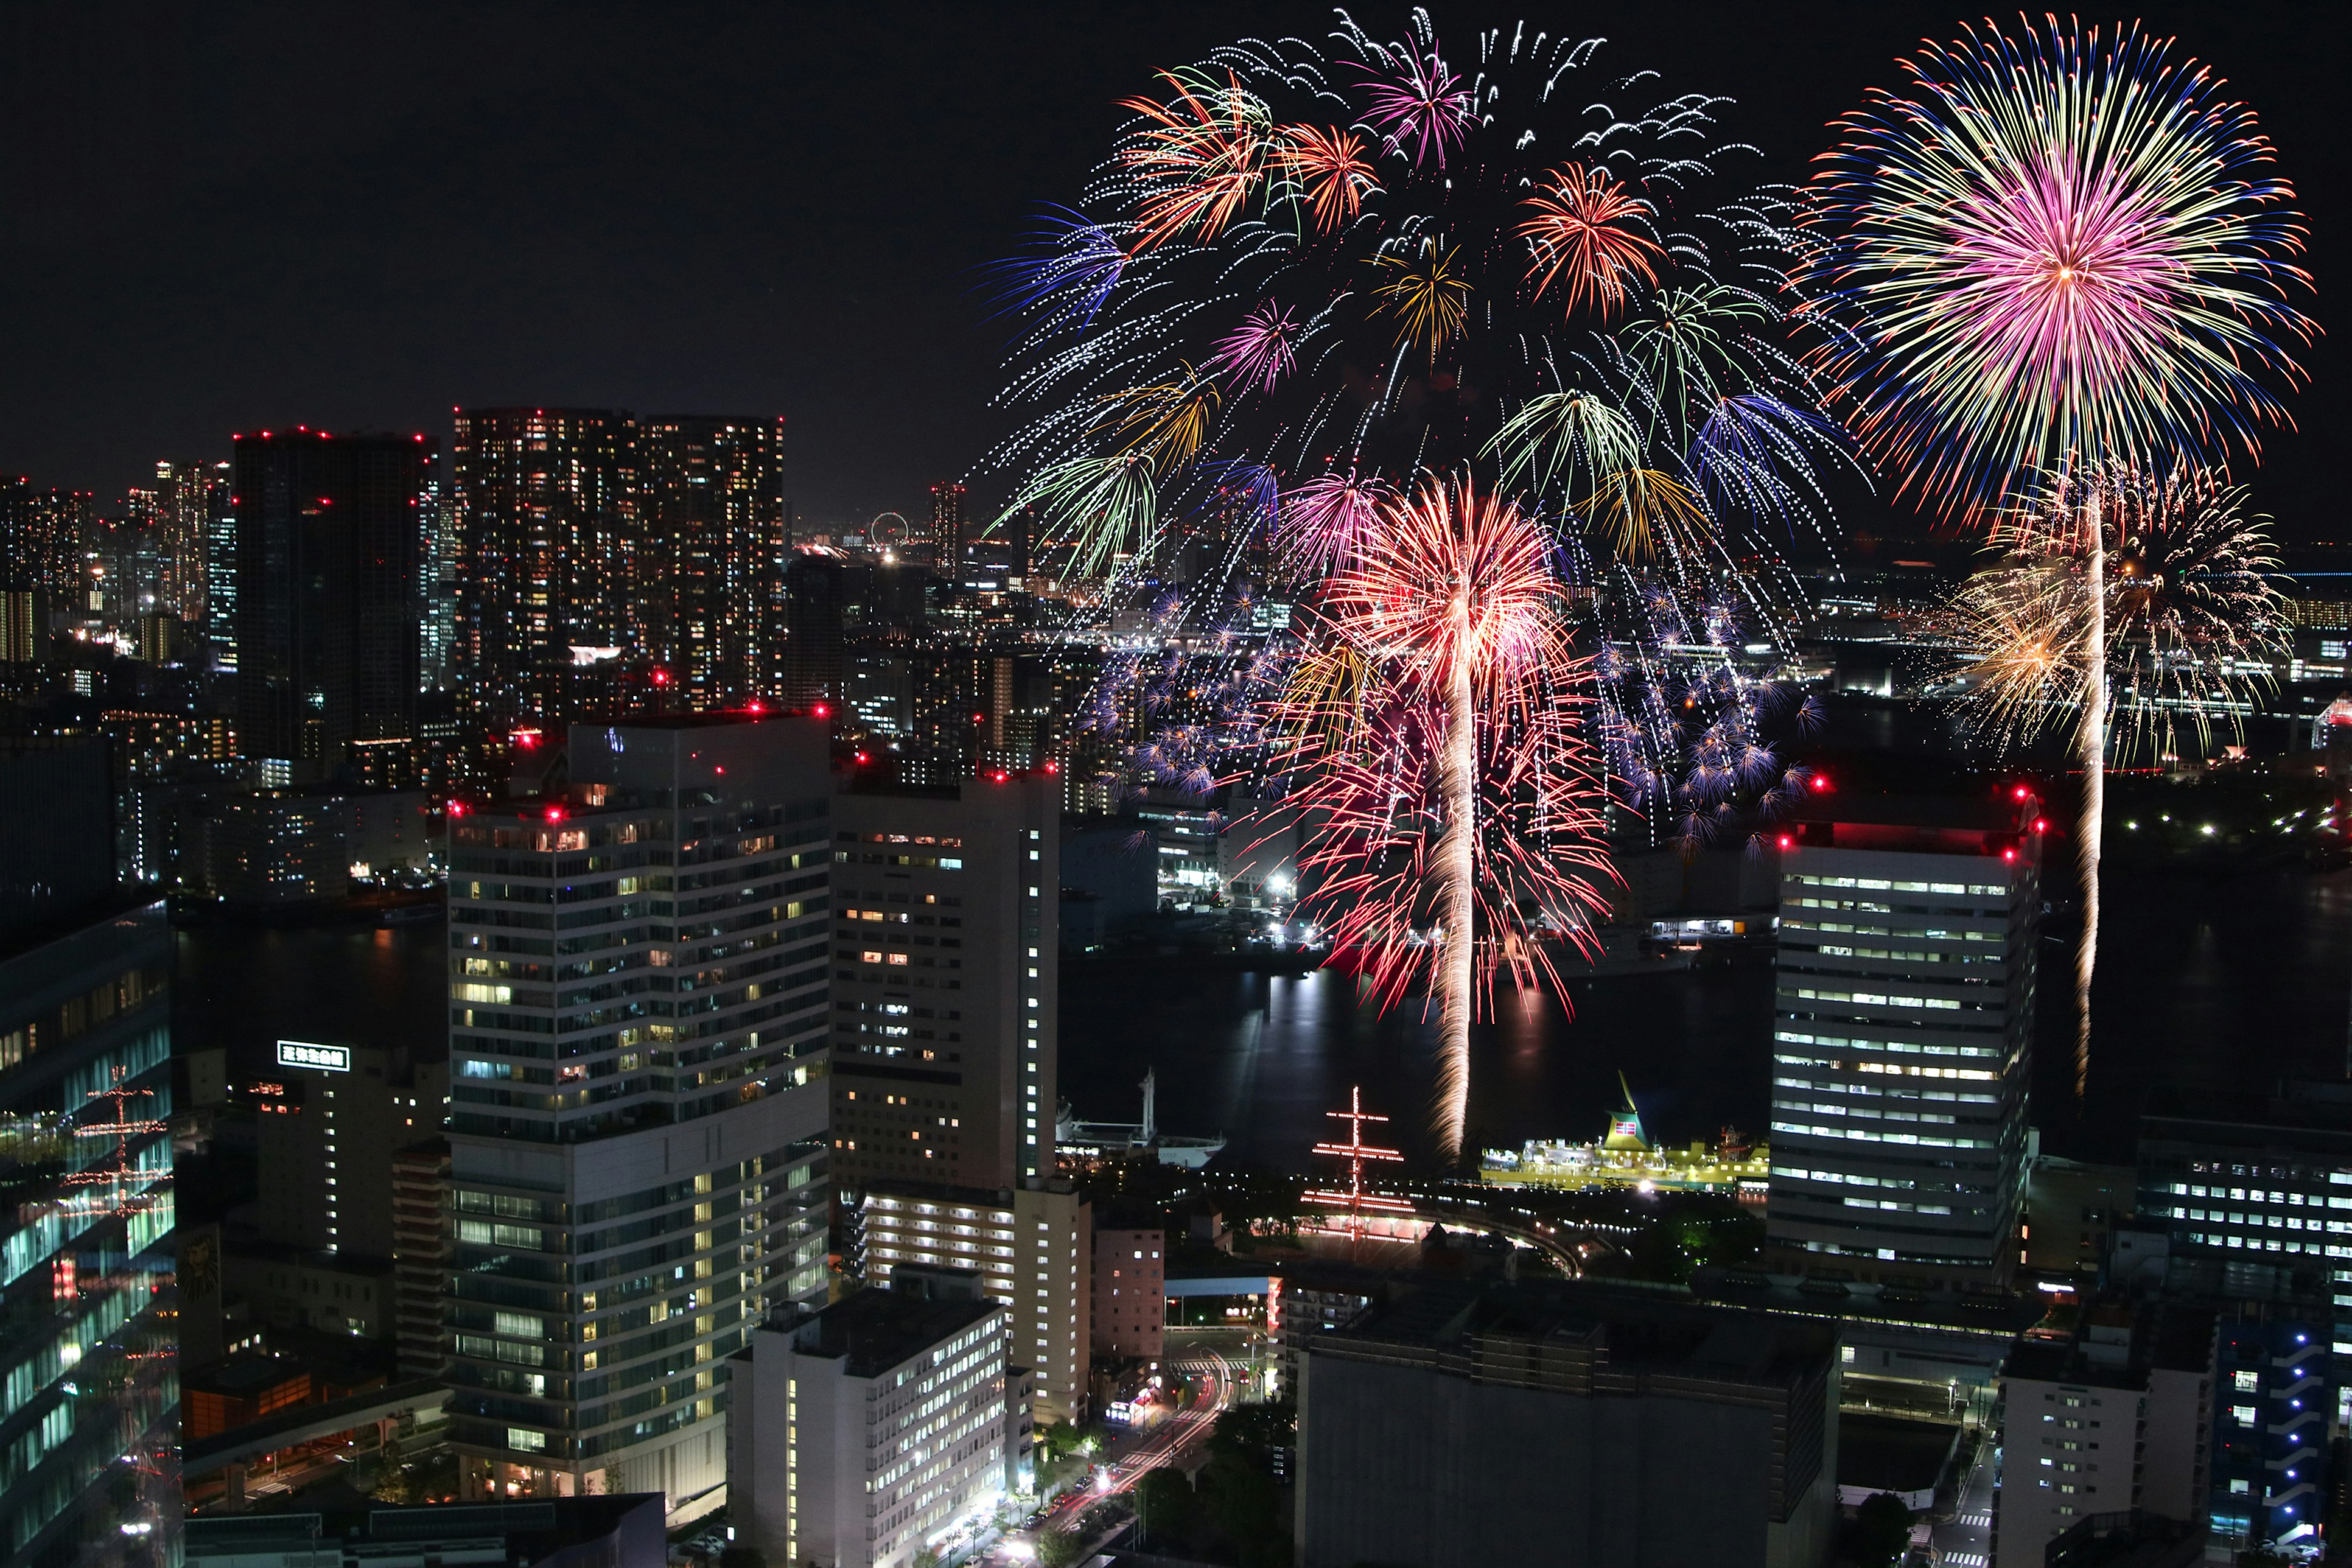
point(1330, 167)
point(1201, 156)
point(1587, 226)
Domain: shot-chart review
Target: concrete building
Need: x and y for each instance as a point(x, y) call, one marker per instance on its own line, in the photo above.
point(2113, 1415)
point(1032, 1248)
point(421, 1241)
point(86, 1247)
point(870, 1434)
point(636, 1138)
point(328, 1120)
point(2069, 1210)
point(570, 1532)
point(1902, 1039)
point(2272, 1462)
point(1131, 1283)
point(946, 955)
point(1551, 1423)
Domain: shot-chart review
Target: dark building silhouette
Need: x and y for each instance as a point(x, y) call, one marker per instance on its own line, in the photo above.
point(826, 603)
point(328, 607)
point(543, 521)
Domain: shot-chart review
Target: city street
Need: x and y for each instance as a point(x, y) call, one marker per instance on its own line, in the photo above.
point(1966, 1541)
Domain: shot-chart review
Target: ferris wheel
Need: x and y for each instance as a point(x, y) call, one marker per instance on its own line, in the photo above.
point(888, 530)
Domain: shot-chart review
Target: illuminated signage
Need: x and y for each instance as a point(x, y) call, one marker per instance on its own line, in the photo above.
point(324, 1058)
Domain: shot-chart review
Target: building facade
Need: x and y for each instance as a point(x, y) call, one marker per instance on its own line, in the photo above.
point(946, 954)
point(90, 1431)
point(637, 1153)
point(1130, 1288)
point(329, 597)
point(1031, 1246)
point(874, 1433)
point(1902, 1040)
point(712, 593)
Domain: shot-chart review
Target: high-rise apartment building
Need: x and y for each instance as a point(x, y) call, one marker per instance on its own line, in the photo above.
point(42, 532)
point(90, 1431)
point(637, 1132)
point(946, 539)
point(713, 591)
point(824, 604)
point(543, 506)
point(1902, 1039)
point(946, 936)
point(328, 599)
point(874, 1433)
point(191, 501)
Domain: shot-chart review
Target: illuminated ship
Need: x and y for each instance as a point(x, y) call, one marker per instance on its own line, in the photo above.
point(1113, 1140)
point(1624, 1157)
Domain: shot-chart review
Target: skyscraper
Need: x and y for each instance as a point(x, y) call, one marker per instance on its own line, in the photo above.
point(945, 953)
point(543, 521)
point(946, 527)
point(327, 592)
point(825, 599)
point(191, 499)
point(1903, 1039)
point(712, 595)
point(90, 1427)
point(637, 1155)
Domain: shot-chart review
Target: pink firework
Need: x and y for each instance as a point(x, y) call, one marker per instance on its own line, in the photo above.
point(1326, 521)
point(1415, 99)
point(1261, 350)
point(1457, 821)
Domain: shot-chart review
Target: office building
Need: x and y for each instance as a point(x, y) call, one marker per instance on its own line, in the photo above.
point(542, 521)
point(1130, 1290)
point(712, 592)
point(1902, 1039)
point(329, 1120)
point(1031, 1246)
point(328, 595)
point(1563, 1423)
point(2112, 1416)
point(946, 537)
point(945, 973)
point(89, 1432)
point(872, 1434)
point(637, 1153)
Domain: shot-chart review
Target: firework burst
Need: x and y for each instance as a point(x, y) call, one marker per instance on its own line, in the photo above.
point(1436, 753)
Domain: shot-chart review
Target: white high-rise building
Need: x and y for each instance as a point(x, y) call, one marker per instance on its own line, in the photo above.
point(639, 1161)
point(874, 1433)
point(1903, 1039)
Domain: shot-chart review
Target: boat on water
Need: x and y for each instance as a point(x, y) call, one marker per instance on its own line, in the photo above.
point(1117, 1140)
point(1624, 1157)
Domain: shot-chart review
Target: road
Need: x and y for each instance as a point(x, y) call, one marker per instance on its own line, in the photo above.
point(1966, 1541)
point(1169, 1442)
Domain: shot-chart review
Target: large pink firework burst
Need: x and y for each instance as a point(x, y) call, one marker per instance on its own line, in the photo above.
point(1415, 99)
point(1439, 767)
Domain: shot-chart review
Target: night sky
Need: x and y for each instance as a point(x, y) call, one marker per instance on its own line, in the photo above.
point(224, 216)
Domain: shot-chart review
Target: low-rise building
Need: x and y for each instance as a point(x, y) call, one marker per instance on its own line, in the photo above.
point(2112, 1415)
point(874, 1432)
point(1550, 1422)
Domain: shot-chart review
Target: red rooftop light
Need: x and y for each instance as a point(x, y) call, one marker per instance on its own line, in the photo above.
point(2041, 824)
point(554, 813)
point(661, 678)
point(2021, 792)
point(2010, 853)
point(456, 808)
point(756, 707)
point(1787, 842)
point(862, 759)
point(1000, 775)
point(822, 711)
point(1821, 782)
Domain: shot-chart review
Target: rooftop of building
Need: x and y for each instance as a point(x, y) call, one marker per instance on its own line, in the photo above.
point(1631, 1329)
point(30, 929)
point(2293, 1107)
point(532, 1531)
point(875, 1330)
point(2114, 1345)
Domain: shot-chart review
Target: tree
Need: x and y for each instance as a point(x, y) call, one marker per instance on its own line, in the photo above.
point(1881, 1528)
point(1165, 1507)
point(1058, 1548)
point(1238, 1497)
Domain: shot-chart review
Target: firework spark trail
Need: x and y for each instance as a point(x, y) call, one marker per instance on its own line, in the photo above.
point(2054, 253)
point(1445, 706)
point(2132, 600)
